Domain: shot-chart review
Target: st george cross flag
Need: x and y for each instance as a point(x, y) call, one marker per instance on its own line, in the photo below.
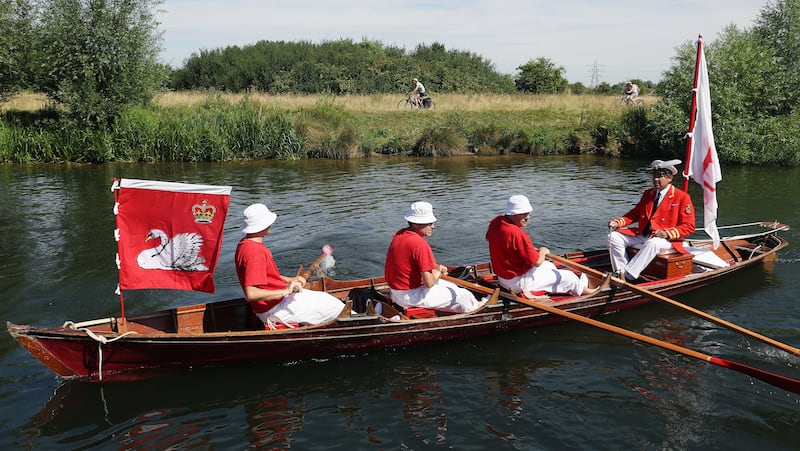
point(169, 234)
point(704, 167)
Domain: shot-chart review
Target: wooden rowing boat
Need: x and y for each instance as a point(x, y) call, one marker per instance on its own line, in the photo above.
point(226, 332)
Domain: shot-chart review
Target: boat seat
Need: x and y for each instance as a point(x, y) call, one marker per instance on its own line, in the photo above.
point(420, 313)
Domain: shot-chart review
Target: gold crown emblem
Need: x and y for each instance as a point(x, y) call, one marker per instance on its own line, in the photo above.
point(203, 213)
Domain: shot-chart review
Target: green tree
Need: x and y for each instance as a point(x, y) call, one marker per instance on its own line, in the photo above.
point(15, 40)
point(753, 99)
point(99, 57)
point(338, 67)
point(779, 22)
point(541, 76)
point(605, 88)
point(578, 88)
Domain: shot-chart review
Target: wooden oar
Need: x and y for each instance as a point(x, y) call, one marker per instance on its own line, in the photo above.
point(656, 296)
point(326, 250)
point(776, 380)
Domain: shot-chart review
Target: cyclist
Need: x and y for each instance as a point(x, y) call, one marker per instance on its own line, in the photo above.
point(631, 92)
point(417, 92)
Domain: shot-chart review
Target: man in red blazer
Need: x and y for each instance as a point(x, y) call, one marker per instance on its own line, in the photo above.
point(665, 216)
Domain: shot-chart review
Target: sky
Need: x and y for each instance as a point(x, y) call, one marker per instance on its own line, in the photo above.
point(593, 40)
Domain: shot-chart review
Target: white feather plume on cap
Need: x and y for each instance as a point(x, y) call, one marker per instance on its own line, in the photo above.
point(668, 165)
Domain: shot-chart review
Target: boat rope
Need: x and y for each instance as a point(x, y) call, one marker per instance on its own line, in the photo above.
point(774, 225)
point(754, 250)
point(101, 340)
point(737, 237)
point(96, 322)
point(273, 326)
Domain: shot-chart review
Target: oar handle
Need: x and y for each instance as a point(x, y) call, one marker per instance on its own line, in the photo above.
point(658, 297)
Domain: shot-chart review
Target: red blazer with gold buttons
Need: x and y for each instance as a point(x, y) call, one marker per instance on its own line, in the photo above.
point(675, 215)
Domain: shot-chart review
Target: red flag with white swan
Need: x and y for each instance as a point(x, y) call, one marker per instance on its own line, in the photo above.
point(702, 164)
point(169, 234)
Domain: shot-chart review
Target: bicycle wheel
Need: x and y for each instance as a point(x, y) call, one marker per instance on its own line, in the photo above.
point(431, 106)
point(638, 101)
point(405, 105)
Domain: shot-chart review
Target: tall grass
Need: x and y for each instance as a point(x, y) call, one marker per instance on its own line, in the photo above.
point(388, 102)
point(213, 126)
point(213, 131)
point(25, 102)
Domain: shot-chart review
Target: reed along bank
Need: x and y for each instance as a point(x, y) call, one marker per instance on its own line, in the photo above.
point(198, 126)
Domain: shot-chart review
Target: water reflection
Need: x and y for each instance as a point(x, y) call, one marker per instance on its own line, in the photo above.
point(271, 422)
point(388, 401)
point(510, 386)
point(160, 434)
point(417, 389)
point(508, 389)
point(527, 390)
point(677, 385)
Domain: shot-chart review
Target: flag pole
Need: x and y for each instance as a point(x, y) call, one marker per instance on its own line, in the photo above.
point(693, 115)
point(115, 187)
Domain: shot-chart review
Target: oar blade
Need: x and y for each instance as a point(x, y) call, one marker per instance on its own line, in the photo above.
point(653, 295)
point(327, 263)
point(786, 383)
point(323, 263)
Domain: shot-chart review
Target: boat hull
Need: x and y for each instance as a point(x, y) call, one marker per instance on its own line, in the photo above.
point(226, 333)
point(75, 355)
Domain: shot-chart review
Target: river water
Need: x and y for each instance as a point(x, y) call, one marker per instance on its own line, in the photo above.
point(567, 386)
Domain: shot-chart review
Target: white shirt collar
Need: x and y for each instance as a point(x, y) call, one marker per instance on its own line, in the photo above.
point(663, 193)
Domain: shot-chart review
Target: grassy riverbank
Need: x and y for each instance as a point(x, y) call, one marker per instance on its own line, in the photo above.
point(192, 126)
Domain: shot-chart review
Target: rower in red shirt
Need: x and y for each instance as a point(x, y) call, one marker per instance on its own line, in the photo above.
point(412, 273)
point(276, 299)
point(519, 266)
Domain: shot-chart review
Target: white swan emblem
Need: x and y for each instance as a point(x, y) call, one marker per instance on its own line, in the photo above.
point(181, 253)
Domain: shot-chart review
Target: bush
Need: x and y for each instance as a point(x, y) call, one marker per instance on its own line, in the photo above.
point(442, 141)
point(328, 131)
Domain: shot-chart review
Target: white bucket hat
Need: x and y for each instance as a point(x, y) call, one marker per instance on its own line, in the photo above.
point(517, 205)
point(669, 165)
point(257, 217)
point(420, 213)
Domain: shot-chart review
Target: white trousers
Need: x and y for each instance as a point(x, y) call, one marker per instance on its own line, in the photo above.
point(444, 295)
point(303, 307)
point(648, 249)
point(546, 277)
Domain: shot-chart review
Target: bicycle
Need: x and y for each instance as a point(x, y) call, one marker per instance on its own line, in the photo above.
point(408, 103)
point(628, 100)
